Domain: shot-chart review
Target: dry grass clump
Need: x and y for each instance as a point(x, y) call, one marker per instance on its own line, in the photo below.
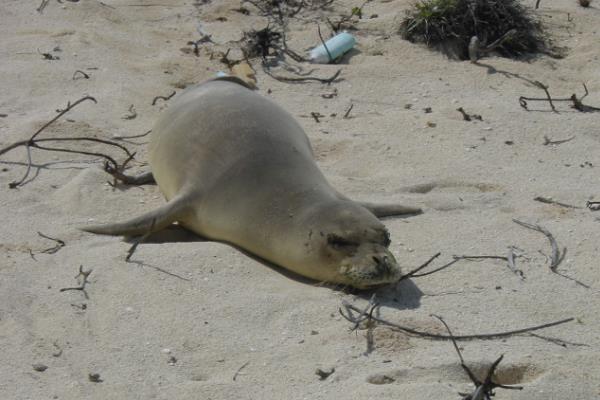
point(449, 26)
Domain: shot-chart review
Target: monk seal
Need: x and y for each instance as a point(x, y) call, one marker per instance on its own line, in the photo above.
point(236, 167)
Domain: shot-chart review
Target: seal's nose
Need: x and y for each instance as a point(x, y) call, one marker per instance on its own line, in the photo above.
point(382, 265)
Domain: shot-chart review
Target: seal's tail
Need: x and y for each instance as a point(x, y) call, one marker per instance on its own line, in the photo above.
point(150, 222)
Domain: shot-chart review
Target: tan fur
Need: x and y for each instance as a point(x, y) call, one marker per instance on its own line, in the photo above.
point(236, 167)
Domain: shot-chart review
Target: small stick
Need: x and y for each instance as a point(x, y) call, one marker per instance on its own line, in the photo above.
point(347, 113)
point(413, 273)
point(84, 281)
point(331, 60)
point(480, 257)
point(468, 117)
point(59, 244)
point(43, 5)
point(63, 112)
point(316, 116)
point(132, 136)
point(139, 240)
point(465, 116)
point(85, 76)
point(547, 141)
point(165, 98)
point(303, 79)
point(548, 200)
point(15, 184)
point(559, 342)
point(240, 369)
point(557, 256)
point(363, 315)
point(545, 88)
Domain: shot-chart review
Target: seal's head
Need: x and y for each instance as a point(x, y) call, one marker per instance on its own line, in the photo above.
point(348, 245)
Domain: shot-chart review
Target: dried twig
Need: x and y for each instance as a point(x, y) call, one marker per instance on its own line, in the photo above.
point(132, 136)
point(83, 74)
point(413, 273)
point(165, 98)
point(363, 314)
point(35, 143)
point(140, 240)
point(557, 255)
point(548, 141)
point(347, 113)
point(84, 281)
point(483, 389)
point(240, 369)
point(435, 336)
point(51, 250)
point(331, 60)
point(577, 102)
point(548, 200)
point(316, 116)
point(303, 79)
point(559, 342)
point(42, 5)
point(468, 117)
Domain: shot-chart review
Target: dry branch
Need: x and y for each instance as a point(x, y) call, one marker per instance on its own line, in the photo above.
point(548, 200)
point(165, 98)
point(483, 389)
point(435, 336)
point(557, 255)
point(576, 102)
point(111, 165)
point(302, 79)
point(51, 250)
point(84, 281)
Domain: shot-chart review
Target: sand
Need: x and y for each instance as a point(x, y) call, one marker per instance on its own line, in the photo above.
point(229, 327)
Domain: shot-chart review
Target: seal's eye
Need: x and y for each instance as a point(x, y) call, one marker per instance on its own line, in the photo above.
point(338, 242)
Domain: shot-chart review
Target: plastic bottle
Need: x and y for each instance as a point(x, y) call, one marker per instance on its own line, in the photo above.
point(337, 46)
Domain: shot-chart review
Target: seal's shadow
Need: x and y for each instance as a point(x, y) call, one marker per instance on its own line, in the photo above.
point(178, 234)
point(401, 295)
point(404, 295)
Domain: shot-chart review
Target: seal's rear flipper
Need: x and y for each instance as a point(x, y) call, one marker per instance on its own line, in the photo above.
point(153, 221)
point(388, 210)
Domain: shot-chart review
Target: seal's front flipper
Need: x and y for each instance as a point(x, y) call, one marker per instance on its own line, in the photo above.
point(144, 178)
point(388, 210)
point(148, 223)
